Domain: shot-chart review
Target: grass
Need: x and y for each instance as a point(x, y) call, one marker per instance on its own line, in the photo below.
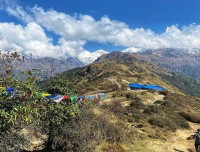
point(181, 82)
point(145, 145)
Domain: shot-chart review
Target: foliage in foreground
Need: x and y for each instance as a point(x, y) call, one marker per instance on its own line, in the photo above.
point(25, 108)
point(85, 133)
point(64, 131)
point(40, 114)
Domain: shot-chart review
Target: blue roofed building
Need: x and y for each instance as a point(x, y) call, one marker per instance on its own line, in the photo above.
point(134, 86)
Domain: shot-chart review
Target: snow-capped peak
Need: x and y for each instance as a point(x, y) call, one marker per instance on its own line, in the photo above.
point(99, 52)
point(87, 57)
point(133, 50)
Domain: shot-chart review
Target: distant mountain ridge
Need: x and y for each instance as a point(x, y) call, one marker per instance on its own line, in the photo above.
point(117, 56)
point(183, 61)
point(87, 57)
point(48, 64)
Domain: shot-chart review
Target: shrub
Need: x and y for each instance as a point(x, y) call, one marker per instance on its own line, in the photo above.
point(158, 102)
point(137, 104)
point(165, 118)
point(152, 110)
point(84, 133)
point(11, 141)
point(130, 95)
point(113, 148)
point(163, 92)
point(117, 108)
point(136, 116)
point(168, 122)
point(190, 117)
point(119, 93)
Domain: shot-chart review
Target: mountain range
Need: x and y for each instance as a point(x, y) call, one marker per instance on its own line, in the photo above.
point(183, 61)
point(50, 66)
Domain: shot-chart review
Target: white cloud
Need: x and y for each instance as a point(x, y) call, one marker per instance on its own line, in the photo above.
point(85, 27)
point(19, 12)
point(71, 48)
point(32, 39)
point(75, 31)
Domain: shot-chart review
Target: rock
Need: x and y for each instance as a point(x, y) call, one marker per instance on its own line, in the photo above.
point(35, 139)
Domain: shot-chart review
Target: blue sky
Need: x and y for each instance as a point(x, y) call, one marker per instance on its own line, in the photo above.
point(153, 14)
point(107, 24)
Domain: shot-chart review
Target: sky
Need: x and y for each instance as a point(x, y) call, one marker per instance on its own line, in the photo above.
point(69, 28)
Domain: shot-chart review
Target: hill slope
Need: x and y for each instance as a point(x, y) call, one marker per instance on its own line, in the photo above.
point(182, 61)
point(117, 69)
point(157, 121)
point(125, 121)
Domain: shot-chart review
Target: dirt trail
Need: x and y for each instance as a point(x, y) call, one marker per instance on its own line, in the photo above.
point(119, 85)
point(179, 141)
point(114, 80)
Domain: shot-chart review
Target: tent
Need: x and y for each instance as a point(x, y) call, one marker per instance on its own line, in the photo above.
point(101, 95)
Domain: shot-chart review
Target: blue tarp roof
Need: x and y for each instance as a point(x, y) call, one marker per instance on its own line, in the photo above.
point(147, 86)
point(135, 85)
point(153, 87)
point(102, 95)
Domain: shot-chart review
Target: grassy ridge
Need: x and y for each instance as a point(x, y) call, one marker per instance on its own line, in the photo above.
point(185, 84)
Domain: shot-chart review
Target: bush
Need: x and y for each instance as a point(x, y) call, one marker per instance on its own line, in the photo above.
point(158, 102)
point(168, 122)
point(137, 104)
point(117, 109)
point(39, 112)
point(163, 92)
point(165, 118)
point(131, 95)
point(190, 117)
point(113, 148)
point(119, 94)
point(84, 133)
point(11, 141)
point(136, 116)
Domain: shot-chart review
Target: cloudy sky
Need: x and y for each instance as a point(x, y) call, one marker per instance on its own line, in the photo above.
point(67, 28)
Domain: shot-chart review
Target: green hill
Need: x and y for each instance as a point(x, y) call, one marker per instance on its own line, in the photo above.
point(125, 121)
point(118, 69)
point(156, 114)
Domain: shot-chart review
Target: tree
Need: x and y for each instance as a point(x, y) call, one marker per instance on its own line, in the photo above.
point(9, 62)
